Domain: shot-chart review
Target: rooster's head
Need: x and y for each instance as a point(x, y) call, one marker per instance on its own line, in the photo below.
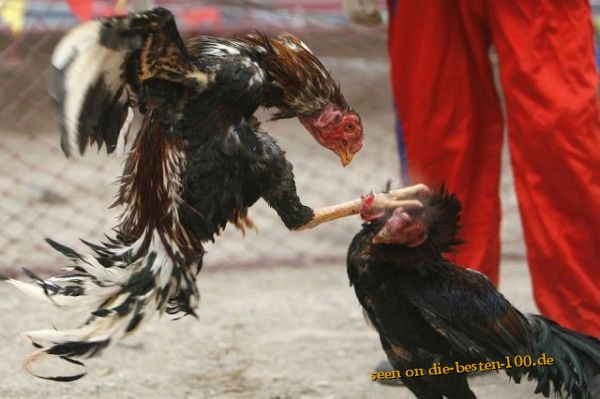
point(432, 228)
point(337, 129)
point(302, 87)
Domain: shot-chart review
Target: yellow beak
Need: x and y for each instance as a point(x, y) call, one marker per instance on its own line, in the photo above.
point(382, 237)
point(345, 157)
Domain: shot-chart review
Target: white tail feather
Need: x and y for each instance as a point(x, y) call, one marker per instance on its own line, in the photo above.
point(31, 290)
point(115, 310)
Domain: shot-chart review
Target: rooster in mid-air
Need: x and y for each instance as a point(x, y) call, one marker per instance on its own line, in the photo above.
point(196, 160)
point(428, 311)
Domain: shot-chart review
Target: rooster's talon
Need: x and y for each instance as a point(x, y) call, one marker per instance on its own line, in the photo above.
point(410, 191)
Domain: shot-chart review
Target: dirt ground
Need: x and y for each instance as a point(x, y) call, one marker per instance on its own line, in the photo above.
point(274, 329)
point(272, 333)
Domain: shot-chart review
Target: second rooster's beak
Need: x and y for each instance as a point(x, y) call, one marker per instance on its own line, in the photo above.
point(402, 229)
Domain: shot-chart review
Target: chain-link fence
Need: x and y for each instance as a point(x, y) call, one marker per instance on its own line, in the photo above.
point(43, 194)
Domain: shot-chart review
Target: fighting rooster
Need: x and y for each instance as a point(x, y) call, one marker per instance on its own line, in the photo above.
point(428, 311)
point(198, 160)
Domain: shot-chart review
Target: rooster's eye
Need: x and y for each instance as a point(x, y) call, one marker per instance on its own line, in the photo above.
point(349, 127)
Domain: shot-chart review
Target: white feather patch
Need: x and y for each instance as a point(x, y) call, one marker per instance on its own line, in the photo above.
point(31, 290)
point(84, 62)
point(122, 146)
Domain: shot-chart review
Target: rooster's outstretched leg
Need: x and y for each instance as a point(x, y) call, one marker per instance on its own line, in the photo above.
point(392, 199)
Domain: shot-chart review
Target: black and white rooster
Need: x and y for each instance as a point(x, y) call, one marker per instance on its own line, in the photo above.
point(198, 160)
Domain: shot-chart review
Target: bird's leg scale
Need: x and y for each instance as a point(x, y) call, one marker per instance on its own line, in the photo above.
point(392, 199)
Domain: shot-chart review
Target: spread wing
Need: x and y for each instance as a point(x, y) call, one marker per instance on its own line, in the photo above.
point(101, 72)
point(465, 307)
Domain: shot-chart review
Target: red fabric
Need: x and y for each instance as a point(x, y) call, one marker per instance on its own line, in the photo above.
point(203, 15)
point(453, 132)
point(83, 9)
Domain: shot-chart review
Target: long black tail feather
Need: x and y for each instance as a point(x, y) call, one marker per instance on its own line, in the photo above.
point(576, 359)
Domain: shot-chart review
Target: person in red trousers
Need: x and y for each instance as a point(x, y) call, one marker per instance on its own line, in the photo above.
point(450, 130)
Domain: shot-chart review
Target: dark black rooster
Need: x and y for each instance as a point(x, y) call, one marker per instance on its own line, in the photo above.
point(429, 311)
point(198, 159)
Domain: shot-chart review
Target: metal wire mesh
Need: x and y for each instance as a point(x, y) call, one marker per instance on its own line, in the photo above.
point(43, 194)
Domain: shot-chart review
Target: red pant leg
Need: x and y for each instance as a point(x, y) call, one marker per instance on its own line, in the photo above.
point(449, 113)
point(550, 80)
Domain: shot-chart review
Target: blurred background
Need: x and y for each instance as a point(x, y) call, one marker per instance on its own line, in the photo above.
point(280, 321)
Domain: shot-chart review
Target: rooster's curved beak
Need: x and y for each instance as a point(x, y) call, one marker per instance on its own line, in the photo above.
point(401, 228)
point(345, 156)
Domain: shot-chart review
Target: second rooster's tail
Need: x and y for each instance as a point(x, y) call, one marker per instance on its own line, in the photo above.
point(576, 359)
